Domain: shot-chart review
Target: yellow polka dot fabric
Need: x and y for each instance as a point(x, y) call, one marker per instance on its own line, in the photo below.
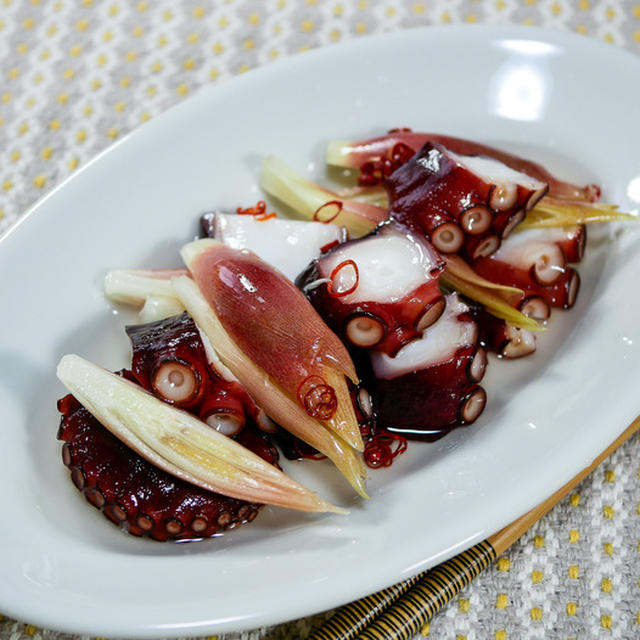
point(78, 75)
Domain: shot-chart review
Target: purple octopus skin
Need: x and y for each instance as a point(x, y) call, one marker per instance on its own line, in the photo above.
point(431, 387)
point(170, 361)
point(379, 157)
point(464, 204)
point(137, 496)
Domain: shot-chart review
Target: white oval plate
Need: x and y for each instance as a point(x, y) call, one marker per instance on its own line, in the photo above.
point(554, 96)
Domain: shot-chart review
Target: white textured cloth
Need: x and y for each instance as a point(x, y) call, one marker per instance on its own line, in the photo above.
point(75, 75)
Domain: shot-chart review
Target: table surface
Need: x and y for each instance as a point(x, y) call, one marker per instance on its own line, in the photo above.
point(79, 74)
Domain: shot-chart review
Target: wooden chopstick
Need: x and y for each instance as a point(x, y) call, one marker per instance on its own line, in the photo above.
point(400, 611)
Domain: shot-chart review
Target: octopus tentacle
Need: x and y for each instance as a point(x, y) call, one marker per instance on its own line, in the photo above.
point(367, 154)
point(385, 307)
point(431, 385)
point(136, 495)
point(438, 184)
point(171, 361)
point(534, 261)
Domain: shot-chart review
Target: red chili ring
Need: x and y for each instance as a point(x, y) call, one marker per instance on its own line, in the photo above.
point(379, 452)
point(317, 397)
point(337, 203)
point(259, 209)
point(340, 294)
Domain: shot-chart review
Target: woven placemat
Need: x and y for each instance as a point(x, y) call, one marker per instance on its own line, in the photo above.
point(78, 75)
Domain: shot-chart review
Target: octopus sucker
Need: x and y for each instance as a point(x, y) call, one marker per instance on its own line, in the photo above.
point(476, 219)
point(78, 478)
point(512, 223)
point(96, 497)
point(224, 420)
point(169, 359)
point(477, 365)
point(365, 329)
point(145, 523)
point(501, 337)
point(481, 246)
point(564, 292)
point(432, 313)
point(536, 307)
point(67, 455)
point(517, 343)
point(251, 298)
point(447, 236)
point(472, 406)
point(175, 381)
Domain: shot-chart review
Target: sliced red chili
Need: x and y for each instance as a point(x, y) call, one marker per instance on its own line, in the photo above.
point(258, 210)
point(317, 397)
point(334, 203)
point(339, 294)
point(329, 246)
point(381, 450)
point(266, 216)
